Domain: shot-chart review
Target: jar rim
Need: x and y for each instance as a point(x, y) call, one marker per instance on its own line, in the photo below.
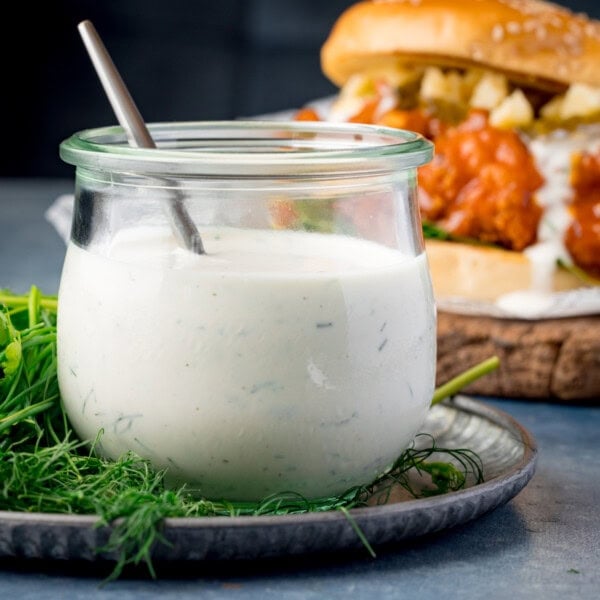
point(251, 148)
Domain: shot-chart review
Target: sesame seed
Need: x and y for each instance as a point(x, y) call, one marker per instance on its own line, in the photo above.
point(497, 33)
point(476, 54)
point(513, 27)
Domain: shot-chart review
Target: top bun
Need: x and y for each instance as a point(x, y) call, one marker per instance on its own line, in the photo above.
point(535, 43)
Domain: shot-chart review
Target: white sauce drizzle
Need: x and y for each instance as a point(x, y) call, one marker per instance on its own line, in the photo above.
point(552, 153)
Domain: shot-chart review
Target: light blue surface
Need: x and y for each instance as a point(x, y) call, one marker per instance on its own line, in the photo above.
point(545, 543)
point(31, 252)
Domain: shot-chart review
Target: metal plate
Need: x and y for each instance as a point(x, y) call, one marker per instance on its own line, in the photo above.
point(507, 450)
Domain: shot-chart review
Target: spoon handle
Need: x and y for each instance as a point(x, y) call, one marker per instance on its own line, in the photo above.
point(125, 109)
point(131, 121)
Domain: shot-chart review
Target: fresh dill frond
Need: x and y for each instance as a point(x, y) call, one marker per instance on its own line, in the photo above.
point(45, 468)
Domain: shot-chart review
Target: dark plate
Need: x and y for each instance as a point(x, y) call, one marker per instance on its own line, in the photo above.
point(507, 450)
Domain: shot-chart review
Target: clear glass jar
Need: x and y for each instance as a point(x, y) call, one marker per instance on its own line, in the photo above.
point(297, 352)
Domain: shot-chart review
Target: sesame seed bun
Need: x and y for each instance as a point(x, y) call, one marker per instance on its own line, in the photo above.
point(535, 43)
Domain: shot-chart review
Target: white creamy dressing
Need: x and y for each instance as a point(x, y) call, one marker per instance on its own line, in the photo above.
point(552, 153)
point(278, 361)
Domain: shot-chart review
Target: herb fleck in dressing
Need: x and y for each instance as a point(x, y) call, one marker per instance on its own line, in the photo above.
point(279, 361)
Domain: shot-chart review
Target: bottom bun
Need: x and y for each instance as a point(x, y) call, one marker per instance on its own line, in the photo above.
point(547, 359)
point(484, 273)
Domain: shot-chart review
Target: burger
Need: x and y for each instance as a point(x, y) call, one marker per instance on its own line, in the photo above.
point(509, 92)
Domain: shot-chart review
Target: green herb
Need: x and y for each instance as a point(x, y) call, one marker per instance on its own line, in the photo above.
point(314, 215)
point(45, 468)
point(433, 231)
point(583, 276)
point(325, 216)
point(459, 382)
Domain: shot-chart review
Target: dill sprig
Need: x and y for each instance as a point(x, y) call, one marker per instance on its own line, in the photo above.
point(45, 468)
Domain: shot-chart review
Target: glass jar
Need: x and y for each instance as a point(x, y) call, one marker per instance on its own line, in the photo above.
point(297, 352)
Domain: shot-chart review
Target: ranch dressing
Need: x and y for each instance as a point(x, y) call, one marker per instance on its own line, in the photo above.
point(553, 153)
point(280, 361)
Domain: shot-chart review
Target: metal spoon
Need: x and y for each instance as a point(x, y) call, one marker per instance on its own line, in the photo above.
point(131, 121)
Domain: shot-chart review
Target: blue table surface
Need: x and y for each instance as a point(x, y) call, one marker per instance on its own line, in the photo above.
point(544, 543)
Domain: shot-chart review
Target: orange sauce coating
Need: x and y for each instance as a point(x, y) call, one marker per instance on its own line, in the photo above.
point(482, 181)
point(481, 184)
point(582, 238)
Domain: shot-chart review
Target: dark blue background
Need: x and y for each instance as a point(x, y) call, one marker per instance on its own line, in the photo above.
point(181, 59)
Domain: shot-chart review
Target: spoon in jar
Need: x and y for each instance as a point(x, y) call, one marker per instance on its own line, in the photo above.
point(138, 134)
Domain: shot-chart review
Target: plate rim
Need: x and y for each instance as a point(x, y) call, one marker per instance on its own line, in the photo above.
point(495, 491)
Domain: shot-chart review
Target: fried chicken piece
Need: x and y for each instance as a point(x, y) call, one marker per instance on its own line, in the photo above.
point(582, 238)
point(481, 184)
